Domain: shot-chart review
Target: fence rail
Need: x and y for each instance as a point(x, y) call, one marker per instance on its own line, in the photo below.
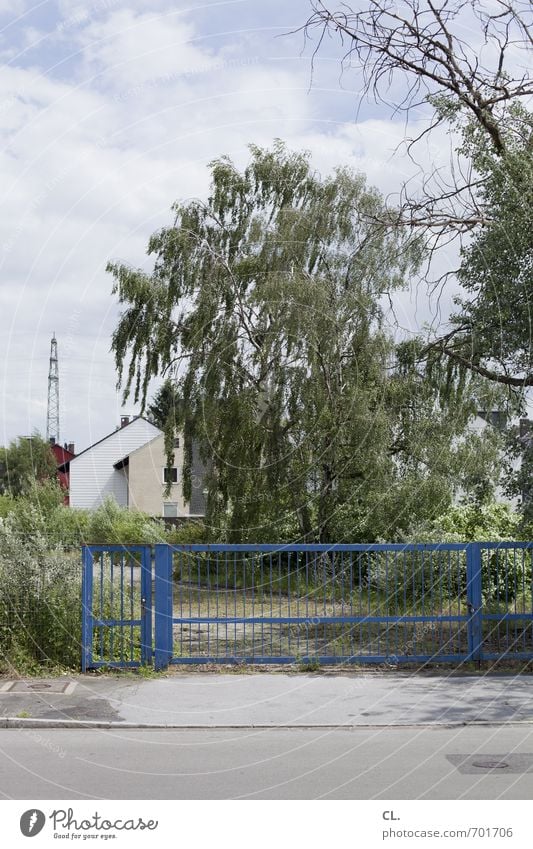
point(446, 602)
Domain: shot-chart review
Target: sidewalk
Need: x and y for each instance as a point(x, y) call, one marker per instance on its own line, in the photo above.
point(257, 700)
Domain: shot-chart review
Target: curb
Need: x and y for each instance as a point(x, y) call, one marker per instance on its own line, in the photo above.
point(20, 723)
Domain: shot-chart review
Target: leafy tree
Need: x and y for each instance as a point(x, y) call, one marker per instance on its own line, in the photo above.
point(266, 300)
point(25, 461)
point(165, 406)
point(477, 87)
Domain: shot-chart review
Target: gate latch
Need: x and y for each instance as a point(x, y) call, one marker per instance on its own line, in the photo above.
point(143, 607)
point(471, 608)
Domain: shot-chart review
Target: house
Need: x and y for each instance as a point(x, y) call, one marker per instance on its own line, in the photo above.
point(147, 476)
point(130, 465)
point(63, 456)
point(92, 473)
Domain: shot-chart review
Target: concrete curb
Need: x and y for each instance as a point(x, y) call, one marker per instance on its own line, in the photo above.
point(19, 722)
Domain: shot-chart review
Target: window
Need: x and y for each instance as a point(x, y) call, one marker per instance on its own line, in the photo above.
point(170, 475)
point(177, 442)
point(170, 509)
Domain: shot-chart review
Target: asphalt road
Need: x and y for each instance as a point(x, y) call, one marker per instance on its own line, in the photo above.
point(274, 763)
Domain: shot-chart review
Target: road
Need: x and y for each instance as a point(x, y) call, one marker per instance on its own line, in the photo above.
point(273, 763)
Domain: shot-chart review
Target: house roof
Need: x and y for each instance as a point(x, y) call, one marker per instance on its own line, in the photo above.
point(125, 460)
point(63, 455)
point(99, 441)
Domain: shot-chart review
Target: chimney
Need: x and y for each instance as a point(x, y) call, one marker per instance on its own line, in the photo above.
point(70, 447)
point(124, 420)
point(52, 440)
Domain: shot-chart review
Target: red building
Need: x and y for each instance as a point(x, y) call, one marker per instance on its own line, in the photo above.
point(63, 457)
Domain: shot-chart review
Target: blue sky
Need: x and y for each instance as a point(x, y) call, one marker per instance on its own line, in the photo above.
point(110, 111)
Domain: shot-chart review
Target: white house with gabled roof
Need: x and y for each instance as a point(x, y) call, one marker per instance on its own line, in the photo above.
point(93, 475)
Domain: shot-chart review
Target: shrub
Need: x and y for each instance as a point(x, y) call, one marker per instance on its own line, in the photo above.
point(40, 610)
point(188, 533)
point(113, 524)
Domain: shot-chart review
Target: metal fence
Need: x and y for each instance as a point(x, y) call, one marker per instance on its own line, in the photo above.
point(308, 603)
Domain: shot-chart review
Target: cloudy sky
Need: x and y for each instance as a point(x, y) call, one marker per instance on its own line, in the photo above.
point(110, 111)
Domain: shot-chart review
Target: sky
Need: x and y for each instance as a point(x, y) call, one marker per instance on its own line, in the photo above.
point(110, 111)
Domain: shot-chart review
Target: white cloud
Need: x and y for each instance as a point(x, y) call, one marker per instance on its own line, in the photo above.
point(92, 163)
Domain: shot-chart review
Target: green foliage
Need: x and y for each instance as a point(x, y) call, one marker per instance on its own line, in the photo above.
point(269, 295)
point(41, 513)
point(165, 407)
point(7, 503)
point(27, 460)
point(113, 524)
point(491, 522)
point(497, 264)
point(40, 611)
point(188, 533)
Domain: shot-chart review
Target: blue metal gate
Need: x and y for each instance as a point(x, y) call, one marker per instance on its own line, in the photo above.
point(448, 603)
point(504, 617)
point(116, 606)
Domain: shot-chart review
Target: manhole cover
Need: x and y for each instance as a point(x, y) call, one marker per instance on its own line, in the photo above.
point(490, 764)
point(494, 762)
point(64, 688)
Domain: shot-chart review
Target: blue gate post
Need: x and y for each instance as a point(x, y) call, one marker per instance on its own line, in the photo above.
point(146, 605)
point(474, 598)
point(86, 608)
point(163, 605)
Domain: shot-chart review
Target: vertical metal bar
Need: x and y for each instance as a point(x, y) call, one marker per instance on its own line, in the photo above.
point(431, 604)
point(208, 590)
point(387, 591)
point(271, 606)
point(289, 601)
point(132, 608)
point(298, 595)
point(343, 629)
point(523, 605)
point(111, 607)
point(396, 612)
point(515, 594)
point(262, 602)
point(226, 587)
point(101, 629)
point(235, 602)
point(86, 609)
point(307, 590)
point(163, 605)
point(244, 587)
point(122, 625)
point(252, 569)
point(146, 612)
point(197, 559)
point(474, 594)
point(217, 594)
point(405, 638)
point(180, 574)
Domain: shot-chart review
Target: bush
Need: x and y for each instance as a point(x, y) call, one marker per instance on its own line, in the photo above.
point(40, 609)
point(188, 533)
point(114, 525)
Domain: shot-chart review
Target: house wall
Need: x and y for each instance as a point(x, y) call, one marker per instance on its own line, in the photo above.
point(92, 476)
point(146, 483)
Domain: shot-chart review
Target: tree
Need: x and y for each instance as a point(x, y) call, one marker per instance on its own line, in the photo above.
point(266, 302)
point(164, 406)
point(25, 461)
point(477, 86)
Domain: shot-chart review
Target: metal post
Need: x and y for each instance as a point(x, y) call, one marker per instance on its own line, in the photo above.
point(86, 609)
point(146, 605)
point(163, 605)
point(474, 598)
